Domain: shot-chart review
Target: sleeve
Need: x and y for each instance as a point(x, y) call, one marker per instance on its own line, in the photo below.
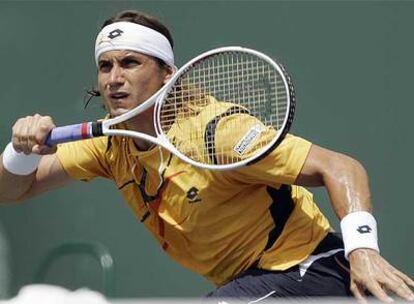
point(85, 159)
point(241, 135)
point(281, 166)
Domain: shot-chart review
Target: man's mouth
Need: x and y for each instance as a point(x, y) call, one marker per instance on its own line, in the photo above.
point(118, 95)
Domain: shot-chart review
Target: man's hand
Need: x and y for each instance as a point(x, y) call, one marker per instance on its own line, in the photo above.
point(30, 133)
point(371, 272)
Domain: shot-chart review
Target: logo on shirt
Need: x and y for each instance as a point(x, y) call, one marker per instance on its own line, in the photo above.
point(247, 139)
point(192, 195)
point(364, 229)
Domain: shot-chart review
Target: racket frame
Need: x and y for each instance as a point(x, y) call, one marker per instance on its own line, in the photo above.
point(104, 127)
point(281, 133)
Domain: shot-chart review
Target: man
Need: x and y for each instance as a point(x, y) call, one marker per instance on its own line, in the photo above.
point(255, 232)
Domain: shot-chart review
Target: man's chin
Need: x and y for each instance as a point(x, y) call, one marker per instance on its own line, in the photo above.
point(118, 112)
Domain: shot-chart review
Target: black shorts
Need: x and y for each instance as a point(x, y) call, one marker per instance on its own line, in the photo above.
point(324, 274)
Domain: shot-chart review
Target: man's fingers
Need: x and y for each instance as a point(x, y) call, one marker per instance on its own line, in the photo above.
point(402, 291)
point(370, 270)
point(397, 285)
point(29, 134)
point(358, 293)
point(43, 149)
point(25, 140)
point(375, 288)
point(404, 277)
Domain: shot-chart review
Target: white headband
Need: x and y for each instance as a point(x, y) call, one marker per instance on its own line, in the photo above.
point(131, 36)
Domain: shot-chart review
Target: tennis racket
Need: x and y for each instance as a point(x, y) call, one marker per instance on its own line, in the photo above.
point(224, 109)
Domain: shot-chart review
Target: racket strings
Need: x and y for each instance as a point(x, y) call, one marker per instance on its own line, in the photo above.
point(194, 112)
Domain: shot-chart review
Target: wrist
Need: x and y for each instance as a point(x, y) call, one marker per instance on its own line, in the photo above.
point(19, 163)
point(361, 252)
point(359, 230)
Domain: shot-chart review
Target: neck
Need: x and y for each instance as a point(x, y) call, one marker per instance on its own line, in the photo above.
point(143, 145)
point(142, 123)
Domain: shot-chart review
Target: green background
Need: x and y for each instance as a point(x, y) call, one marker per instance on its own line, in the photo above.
point(352, 65)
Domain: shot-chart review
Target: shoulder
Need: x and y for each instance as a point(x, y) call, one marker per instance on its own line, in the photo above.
point(97, 145)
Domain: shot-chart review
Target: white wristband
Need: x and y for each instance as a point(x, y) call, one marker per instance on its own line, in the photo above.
point(359, 230)
point(19, 163)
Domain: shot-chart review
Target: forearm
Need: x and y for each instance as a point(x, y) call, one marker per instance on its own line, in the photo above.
point(343, 177)
point(347, 184)
point(13, 187)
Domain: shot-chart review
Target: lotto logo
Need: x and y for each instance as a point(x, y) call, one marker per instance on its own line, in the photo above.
point(364, 229)
point(115, 33)
point(192, 195)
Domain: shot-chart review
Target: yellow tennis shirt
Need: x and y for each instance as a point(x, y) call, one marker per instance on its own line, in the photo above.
point(216, 223)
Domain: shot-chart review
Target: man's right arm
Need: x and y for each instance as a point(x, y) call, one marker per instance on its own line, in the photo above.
point(49, 175)
point(28, 137)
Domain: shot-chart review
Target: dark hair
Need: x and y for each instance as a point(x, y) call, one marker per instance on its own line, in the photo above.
point(139, 18)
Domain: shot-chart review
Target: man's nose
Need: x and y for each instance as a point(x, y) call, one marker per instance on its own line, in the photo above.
point(116, 77)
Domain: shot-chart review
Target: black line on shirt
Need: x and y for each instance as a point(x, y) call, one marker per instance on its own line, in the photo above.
point(146, 215)
point(280, 209)
point(127, 183)
point(168, 163)
point(210, 132)
point(147, 198)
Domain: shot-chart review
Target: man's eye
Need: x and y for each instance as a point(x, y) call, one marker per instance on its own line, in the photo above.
point(104, 66)
point(130, 62)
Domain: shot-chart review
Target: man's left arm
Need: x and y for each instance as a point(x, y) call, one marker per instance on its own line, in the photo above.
point(347, 184)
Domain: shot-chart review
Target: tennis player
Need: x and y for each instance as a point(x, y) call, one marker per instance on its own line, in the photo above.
point(254, 232)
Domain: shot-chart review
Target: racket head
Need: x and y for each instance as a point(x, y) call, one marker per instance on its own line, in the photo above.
point(226, 108)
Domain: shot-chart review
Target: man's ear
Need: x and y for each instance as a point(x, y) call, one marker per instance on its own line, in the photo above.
point(169, 72)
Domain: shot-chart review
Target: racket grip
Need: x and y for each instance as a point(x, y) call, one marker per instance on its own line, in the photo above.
point(74, 132)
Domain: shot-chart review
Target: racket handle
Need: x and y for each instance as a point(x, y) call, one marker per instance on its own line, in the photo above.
point(74, 132)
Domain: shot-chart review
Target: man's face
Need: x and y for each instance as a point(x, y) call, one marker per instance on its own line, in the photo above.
point(127, 78)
